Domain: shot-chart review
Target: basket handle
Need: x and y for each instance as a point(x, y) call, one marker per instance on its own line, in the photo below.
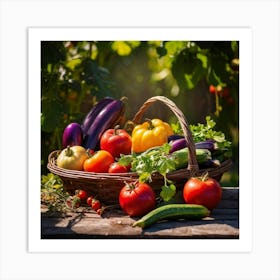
point(192, 161)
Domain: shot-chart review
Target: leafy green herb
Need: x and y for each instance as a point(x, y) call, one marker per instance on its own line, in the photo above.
point(154, 160)
point(168, 191)
point(53, 194)
point(176, 127)
point(202, 132)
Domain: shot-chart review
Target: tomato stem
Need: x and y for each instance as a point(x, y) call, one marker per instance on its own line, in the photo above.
point(204, 176)
point(89, 153)
point(116, 128)
point(131, 185)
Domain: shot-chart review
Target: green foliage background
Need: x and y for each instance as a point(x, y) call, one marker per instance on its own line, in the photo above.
point(75, 75)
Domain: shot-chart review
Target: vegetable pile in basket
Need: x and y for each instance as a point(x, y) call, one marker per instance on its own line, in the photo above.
point(106, 143)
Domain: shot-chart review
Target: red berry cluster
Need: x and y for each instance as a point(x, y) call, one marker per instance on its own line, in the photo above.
point(81, 197)
point(222, 92)
point(95, 204)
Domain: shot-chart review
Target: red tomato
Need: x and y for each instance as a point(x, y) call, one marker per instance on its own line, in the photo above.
point(206, 192)
point(81, 194)
point(117, 168)
point(95, 204)
point(89, 200)
point(137, 199)
point(100, 161)
point(116, 142)
point(99, 211)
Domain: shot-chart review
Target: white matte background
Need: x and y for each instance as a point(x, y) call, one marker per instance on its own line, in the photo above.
point(262, 262)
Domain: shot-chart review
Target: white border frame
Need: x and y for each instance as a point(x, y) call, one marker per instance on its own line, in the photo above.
point(262, 16)
point(243, 35)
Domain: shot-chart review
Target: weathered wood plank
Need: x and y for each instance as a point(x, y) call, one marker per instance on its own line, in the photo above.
point(218, 225)
point(222, 223)
point(121, 228)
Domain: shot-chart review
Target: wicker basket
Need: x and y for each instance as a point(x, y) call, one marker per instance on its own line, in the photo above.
point(106, 186)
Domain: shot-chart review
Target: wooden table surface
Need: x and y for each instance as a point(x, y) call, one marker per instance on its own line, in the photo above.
point(223, 223)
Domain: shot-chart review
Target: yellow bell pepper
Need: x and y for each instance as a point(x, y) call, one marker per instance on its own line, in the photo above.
point(150, 134)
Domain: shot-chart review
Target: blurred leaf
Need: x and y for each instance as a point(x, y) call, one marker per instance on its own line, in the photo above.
point(134, 44)
point(161, 51)
point(174, 47)
point(124, 48)
point(52, 112)
point(121, 47)
point(160, 75)
point(235, 46)
point(97, 77)
point(73, 63)
point(52, 52)
point(190, 62)
point(218, 74)
point(204, 60)
point(188, 70)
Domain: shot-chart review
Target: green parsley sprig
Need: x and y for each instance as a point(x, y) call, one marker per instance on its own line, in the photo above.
point(202, 132)
point(154, 160)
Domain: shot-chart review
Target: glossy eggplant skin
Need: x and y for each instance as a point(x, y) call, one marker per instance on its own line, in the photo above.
point(182, 143)
point(210, 145)
point(93, 113)
point(174, 137)
point(211, 163)
point(107, 118)
point(72, 135)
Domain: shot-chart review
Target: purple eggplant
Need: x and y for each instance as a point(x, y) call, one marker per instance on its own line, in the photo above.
point(210, 163)
point(178, 145)
point(72, 135)
point(108, 117)
point(209, 144)
point(93, 113)
point(174, 137)
point(182, 143)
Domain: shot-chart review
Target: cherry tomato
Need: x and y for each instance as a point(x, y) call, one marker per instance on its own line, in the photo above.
point(116, 142)
point(212, 89)
point(89, 200)
point(117, 168)
point(81, 194)
point(95, 204)
point(99, 211)
point(73, 202)
point(203, 191)
point(137, 199)
point(100, 161)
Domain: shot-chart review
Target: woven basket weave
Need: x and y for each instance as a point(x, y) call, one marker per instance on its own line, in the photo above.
point(106, 186)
